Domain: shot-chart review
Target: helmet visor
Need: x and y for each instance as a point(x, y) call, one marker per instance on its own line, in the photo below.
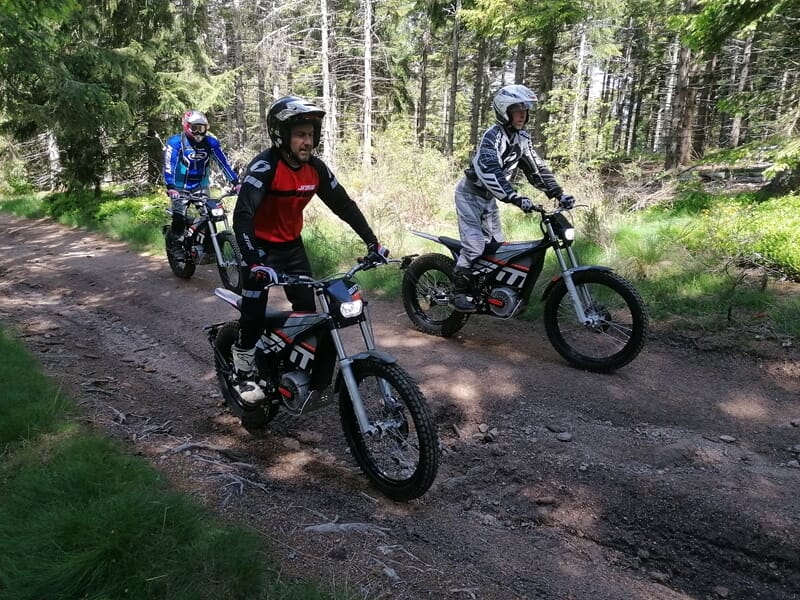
point(198, 128)
point(521, 106)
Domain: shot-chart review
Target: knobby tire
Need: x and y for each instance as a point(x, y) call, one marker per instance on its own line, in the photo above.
point(427, 279)
point(619, 336)
point(401, 460)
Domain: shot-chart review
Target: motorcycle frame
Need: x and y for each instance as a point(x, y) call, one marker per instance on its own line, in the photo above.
point(206, 221)
point(565, 257)
point(329, 324)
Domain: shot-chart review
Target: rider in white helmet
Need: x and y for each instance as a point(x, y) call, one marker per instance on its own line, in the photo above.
point(504, 147)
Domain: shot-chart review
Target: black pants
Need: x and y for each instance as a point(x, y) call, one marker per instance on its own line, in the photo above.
point(287, 257)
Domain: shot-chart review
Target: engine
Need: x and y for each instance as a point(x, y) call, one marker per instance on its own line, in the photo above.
point(504, 302)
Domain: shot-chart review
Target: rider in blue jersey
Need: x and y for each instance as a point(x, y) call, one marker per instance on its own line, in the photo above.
point(503, 149)
point(187, 165)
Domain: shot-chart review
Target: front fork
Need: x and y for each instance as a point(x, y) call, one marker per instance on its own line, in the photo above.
point(212, 228)
point(581, 298)
point(346, 369)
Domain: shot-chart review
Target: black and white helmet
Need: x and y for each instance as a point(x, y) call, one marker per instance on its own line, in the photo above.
point(288, 111)
point(512, 95)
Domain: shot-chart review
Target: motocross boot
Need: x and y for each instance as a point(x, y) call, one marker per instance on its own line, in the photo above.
point(462, 278)
point(244, 363)
point(178, 251)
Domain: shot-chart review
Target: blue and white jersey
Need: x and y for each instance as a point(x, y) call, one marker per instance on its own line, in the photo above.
point(187, 164)
point(500, 153)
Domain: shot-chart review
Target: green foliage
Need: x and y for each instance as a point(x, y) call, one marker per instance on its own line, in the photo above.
point(786, 158)
point(719, 19)
point(79, 518)
point(517, 20)
point(13, 176)
point(92, 73)
point(764, 232)
point(30, 404)
point(407, 187)
point(30, 206)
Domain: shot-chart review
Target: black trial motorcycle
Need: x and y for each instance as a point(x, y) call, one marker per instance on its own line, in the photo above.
point(593, 317)
point(209, 238)
point(383, 413)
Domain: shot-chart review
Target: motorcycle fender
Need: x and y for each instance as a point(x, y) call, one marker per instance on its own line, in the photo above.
point(558, 277)
point(380, 356)
point(232, 298)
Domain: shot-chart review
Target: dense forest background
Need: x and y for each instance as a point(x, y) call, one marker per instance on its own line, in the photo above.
point(89, 88)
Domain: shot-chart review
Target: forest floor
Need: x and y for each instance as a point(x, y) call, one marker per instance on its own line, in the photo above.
point(680, 478)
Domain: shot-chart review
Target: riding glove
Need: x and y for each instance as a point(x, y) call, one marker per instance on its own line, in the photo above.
point(264, 275)
point(173, 194)
point(377, 253)
point(525, 204)
point(566, 201)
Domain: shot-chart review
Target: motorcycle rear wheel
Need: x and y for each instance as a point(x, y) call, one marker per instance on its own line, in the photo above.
point(428, 296)
point(229, 270)
point(620, 326)
point(252, 418)
point(402, 458)
point(182, 267)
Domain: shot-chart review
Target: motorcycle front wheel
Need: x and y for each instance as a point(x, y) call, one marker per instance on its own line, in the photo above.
point(402, 457)
point(617, 327)
point(252, 418)
point(428, 296)
point(182, 267)
point(229, 268)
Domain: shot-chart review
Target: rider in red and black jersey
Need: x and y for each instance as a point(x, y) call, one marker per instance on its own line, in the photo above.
point(268, 221)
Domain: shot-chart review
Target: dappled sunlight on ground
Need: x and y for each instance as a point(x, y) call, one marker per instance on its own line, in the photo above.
point(747, 406)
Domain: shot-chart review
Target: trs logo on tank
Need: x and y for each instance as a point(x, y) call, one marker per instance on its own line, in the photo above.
point(508, 274)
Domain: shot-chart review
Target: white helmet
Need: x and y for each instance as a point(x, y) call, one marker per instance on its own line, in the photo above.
point(509, 96)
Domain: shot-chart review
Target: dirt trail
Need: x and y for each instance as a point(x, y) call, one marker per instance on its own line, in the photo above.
point(646, 501)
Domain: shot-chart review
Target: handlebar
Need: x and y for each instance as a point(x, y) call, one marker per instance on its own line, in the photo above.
point(539, 208)
point(308, 281)
point(198, 197)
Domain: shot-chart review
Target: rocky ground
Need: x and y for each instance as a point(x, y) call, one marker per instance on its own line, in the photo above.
point(676, 477)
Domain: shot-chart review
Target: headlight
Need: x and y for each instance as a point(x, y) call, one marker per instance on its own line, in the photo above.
point(569, 234)
point(351, 309)
point(217, 212)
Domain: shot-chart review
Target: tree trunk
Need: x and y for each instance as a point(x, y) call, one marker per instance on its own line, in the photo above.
point(705, 107)
point(679, 147)
point(54, 160)
point(422, 104)
point(736, 124)
point(521, 63)
point(451, 107)
point(263, 107)
point(665, 111)
point(330, 126)
point(576, 107)
point(155, 156)
point(549, 44)
point(366, 152)
point(477, 93)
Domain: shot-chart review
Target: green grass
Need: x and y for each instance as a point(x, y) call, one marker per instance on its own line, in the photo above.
point(80, 518)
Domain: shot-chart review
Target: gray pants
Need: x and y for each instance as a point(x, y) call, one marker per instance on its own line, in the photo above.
point(179, 208)
point(478, 221)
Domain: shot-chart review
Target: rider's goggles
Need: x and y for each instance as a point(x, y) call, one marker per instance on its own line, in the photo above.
point(198, 129)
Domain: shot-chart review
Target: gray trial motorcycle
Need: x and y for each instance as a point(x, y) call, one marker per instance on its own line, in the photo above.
point(383, 413)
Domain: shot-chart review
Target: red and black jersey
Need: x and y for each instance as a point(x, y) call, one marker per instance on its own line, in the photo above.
point(273, 196)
